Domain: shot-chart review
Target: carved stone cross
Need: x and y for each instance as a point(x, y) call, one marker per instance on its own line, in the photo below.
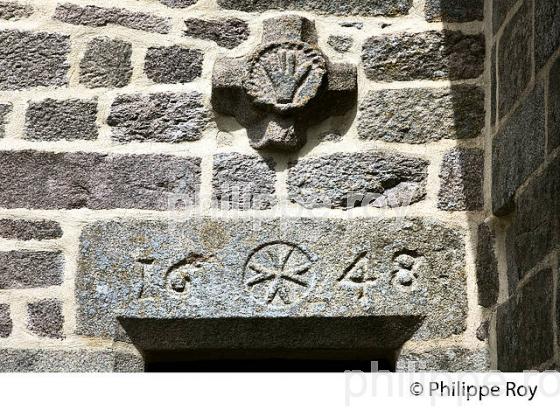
point(285, 86)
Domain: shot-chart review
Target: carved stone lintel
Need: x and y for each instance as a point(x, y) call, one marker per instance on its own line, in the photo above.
point(284, 86)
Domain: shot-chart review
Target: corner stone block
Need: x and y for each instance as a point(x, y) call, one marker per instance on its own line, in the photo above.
point(487, 267)
point(33, 59)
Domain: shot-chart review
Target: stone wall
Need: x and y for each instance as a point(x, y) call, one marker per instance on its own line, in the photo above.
point(125, 155)
point(523, 140)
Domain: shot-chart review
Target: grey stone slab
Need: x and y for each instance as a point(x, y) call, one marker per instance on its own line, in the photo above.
point(441, 359)
point(178, 3)
point(6, 324)
point(24, 230)
point(462, 180)
point(228, 33)
point(243, 182)
point(173, 65)
point(524, 326)
point(45, 319)
point(517, 150)
point(535, 231)
point(33, 59)
point(500, 9)
point(5, 110)
point(336, 7)
point(47, 180)
point(341, 44)
point(348, 180)
point(106, 63)
point(75, 361)
point(53, 120)
point(493, 87)
point(554, 107)
point(430, 55)
point(30, 269)
point(197, 284)
point(94, 16)
point(419, 115)
point(10, 10)
point(515, 45)
point(454, 11)
point(487, 267)
point(547, 30)
point(161, 117)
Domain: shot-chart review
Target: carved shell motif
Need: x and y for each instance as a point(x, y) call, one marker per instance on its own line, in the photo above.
point(285, 76)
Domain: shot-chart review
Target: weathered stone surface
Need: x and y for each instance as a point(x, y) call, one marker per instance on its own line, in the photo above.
point(524, 326)
point(517, 150)
point(341, 43)
point(357, 179)
point(23, 230)
point(228, 33)
point(10, 10)
point(419, 115)
point(337, 7)
point(486, 267)
point(462, 180)
point(515, 45)
point(493, 87)
point(454, 11)
point(535, 231)
point(547, 30)
point(430, 55)
point(161, 117)
point(53, 120)
point(45, 319)
point(398, 276)
point(6, 324)
point(178, 3)
point(82, 361)
point(450, 359)
point(30, 269)
point(243, 182)
point(173, 65)
point(30, 179)
point(100, 16)
point(483, 331)
point(106, 63)
point(5, 110)
point(553, 107)
point(33, 59)
point(500, 9)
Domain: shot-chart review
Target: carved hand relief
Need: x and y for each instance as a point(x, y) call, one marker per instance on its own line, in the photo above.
point(284, 87)
point(279, 274)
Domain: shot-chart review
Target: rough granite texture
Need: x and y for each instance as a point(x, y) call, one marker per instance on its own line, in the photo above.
point(517, 150)
point(31, 179)
point(515, 45)
point(33, 59)
point(524, 325)
point(5, 110)
point(10, 10)
point(30, 269)
point(336, 7)
point(547, 30)
point(82, 361)
point(554, 107)
point(228, 33)
point(6, 324)
point(173, 65)
point(500, 9)
point(341, 43)
point(486, 267)
point(100, 16)
point(431, 55)
point(357, 179)
point(243, 182)
point(451, 359)
point(106, 63)
point(23, 230)
point(455, 11)
point(53, 120)
point(161, 117)
point(462, 180)
point(178, 3)
point(162, 279)
point(419, 115)
point(45, 319)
